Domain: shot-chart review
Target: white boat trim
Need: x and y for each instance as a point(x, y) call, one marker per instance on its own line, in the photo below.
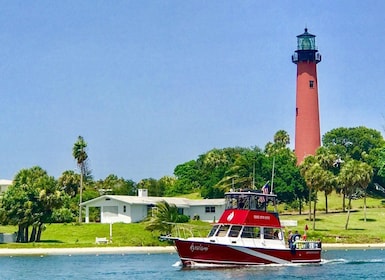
point(260, 255)
point(222, 263)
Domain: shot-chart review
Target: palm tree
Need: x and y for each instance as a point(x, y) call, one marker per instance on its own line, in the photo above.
point(366, 176)
point(327, 184)
point(30, 201)
point(305, 167)
point(327, 161)
point(164, 215)
point(348, 177)
point(69, 182)
point(241, 173)
point(315, 178)
point(281, 138)
point(354, 175)
point(80, 154)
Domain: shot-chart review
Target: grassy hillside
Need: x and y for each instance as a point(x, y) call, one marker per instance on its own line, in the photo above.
point(331, 227)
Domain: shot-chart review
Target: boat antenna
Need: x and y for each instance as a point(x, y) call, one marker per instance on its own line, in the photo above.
point(272, 176)
point(253, 186)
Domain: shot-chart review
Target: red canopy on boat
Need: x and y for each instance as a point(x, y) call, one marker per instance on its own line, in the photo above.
point(249, 217)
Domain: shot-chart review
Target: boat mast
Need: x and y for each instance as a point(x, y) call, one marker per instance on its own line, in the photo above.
point(253, 186)
point(272, 176)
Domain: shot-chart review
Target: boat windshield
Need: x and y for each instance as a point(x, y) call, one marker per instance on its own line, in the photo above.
point(249, 200)
point(251, 232)
point(223, 230)
point(234, 231)
point(213, 230)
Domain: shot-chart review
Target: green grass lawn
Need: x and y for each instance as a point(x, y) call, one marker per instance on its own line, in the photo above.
point(328, 227)
point(83, 235)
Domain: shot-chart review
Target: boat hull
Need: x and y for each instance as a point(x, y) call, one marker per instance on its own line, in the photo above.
point(193, 252)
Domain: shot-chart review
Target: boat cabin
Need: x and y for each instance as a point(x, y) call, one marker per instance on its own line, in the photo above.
point(249, 215)
point(254, 232)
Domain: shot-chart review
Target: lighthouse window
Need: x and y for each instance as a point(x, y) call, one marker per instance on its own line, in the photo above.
point(311, 84)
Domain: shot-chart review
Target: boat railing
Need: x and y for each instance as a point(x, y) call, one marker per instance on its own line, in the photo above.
point(183, 230)
point(250, 200)
point(306, 244)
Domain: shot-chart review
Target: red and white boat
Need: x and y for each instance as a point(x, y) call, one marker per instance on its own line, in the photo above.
point(249, 232)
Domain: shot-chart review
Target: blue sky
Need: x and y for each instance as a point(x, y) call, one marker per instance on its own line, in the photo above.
point(153, 84)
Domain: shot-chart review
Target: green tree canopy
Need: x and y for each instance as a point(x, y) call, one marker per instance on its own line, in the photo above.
point(151, 185)
point(188, 179)
point(69, 182)
point(361, 144)
point(353, 142)
point(30, 201)
point(112, 184)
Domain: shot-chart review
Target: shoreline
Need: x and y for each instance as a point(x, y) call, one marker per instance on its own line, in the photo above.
point(352, 246)
point(141, 250)
point(86, 251)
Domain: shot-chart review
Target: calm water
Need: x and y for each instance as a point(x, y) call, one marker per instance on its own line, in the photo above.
point(336, 265)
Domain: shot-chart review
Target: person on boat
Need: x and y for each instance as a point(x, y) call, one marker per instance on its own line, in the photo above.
point(295, 238)
point(289, 238)
point(276, 234)
point(280, 234)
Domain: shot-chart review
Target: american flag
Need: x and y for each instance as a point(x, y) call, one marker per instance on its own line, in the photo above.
point(265, 188)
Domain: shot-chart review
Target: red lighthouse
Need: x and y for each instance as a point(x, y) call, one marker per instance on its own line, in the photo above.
point(307, 124)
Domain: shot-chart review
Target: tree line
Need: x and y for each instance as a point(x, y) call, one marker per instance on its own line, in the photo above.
point(351, 161)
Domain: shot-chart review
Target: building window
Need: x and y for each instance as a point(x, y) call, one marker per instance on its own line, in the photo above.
point(151, 210)
point(210, 209)
point(311, 84)
point(124, 208)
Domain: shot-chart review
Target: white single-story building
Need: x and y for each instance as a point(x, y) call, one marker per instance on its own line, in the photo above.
point(4, 184)
point(131, 209)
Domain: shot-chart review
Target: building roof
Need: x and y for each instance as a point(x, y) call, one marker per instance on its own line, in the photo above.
point(212, 202)
point(5, 182)
point(148, 200)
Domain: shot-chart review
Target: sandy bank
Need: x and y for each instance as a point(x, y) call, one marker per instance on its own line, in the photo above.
point(351, 246)
point(86, 251)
